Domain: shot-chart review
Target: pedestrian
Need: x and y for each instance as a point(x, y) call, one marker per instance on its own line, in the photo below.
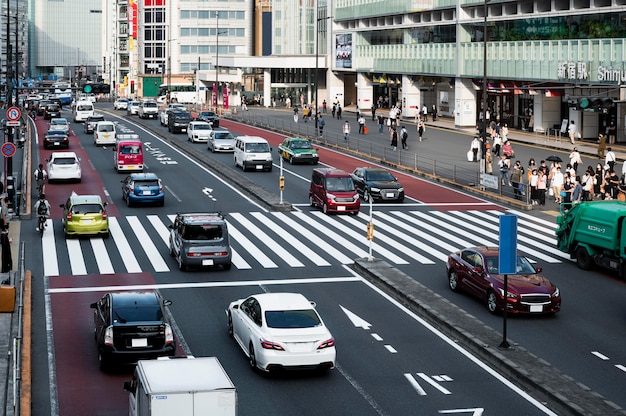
point(610, 158)
point(542, 185)
point(320, 125)
point(338, 111)
point(571, 130)
point(7, 258)
point(381, 123)
point(421, 127)
point(497, 144)
point(425, 112)
point(393, 135)
point(324, 109)
point(611, 131)
point(373, 113)
point(556, 183)
point(504, 165)
point(587, 185)
point(504, 133)
point(4, 214)
point(598, 179)
point(334, 110)
point(516, 180)
point(532, 183)
point(361, 121)
point(577, 192)
point(601, 145)
point(575, 159)
point(305, 113)
point(474, 147)
point(346, 130)
point(507, 150)
point(434, 110)
point(404, 135)
point(488, 163)
point(391, 121)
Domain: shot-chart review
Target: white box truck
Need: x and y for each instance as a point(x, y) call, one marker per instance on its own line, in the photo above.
point(181, 386)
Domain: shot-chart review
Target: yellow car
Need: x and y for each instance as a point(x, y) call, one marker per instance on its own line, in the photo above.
point(85, 215)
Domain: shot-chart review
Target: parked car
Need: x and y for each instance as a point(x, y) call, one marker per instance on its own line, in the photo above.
point(85, 215)
point(121, 104)
point(298, 150)
point(90, 123)
point(52, 110)
point(199, 131)
point(222, 140)
point(281, 331)
point(142, 188)
point(177, 121)
point(60, 124)
point(63, 166)
point(130, 326)
point(148, 109)
point(56, 139)
point(475, 270)
point(378, 184)
point(210, 117)
point(200, 240)
point(104, 133)
point(133, 108)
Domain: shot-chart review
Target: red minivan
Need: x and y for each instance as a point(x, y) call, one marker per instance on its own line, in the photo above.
point(128, 153)
point(333, 191)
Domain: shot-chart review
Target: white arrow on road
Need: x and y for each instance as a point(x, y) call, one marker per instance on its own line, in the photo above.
point(208, 192)
point(357, 321)
point(477, 411)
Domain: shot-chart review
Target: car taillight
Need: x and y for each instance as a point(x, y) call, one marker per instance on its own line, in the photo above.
point(169, 334)
point(269, 345)
point(104, 215)
point(108, 336)
point(327, 344)
point(68, 217)
point(209, 253)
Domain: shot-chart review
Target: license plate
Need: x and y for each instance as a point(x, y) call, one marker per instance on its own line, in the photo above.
point(146, 193)
point(259, 167)
point(139, 342)
point(56, 143)
point(105, 136)
point(536, 308)
point(207, 262)
point(390, 194)
point(341, 208)
point(88, 221)
point(300, 346)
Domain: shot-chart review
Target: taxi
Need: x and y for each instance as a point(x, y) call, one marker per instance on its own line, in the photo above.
point(298, 150)
point(85, 215)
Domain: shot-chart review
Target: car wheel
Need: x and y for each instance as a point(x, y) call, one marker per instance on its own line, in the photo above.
point(583, 259)
point(230, 326)
point(172, 249)
point(325, 208)
point(453, 281)
point(291, 160)
point(492, 302)
point(103, 362)
point(270, 169)
point(212, 149)
point(128, 203)
point(311, 202)
point(227, 266)
point(106, 235)
point(366, 195)
point(252, 357)
point(181, 265)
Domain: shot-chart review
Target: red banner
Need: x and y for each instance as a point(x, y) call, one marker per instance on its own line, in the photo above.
point(225, 97)
point(214, 95)
point(132, 18)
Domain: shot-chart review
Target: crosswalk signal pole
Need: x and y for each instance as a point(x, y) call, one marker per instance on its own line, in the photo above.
point(281, 181)
point(370, 232)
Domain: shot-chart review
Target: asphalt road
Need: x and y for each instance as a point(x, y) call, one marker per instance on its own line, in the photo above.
point(199, 301)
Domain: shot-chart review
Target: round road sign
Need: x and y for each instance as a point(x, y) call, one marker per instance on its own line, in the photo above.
point(14, 113)
point(8, 149)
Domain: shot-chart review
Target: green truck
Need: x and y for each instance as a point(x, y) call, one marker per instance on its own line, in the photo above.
point(595, 233)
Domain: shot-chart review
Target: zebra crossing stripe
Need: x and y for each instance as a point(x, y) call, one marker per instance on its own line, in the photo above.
point(422, 220)
point(160, 228)
point(102, 258)
point(294, 242)
point(337, 238)
point(251, 248)
point(238, 261)
point(49, 250)
point(126, 253)
point(77, 261)
point(147, 245)
point(269, 241)
point(526, 227)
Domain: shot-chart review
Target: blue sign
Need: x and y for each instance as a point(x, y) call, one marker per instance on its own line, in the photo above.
point(507, 259)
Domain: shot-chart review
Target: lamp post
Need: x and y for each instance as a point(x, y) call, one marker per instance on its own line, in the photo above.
point(483, 146)
point(318, 19)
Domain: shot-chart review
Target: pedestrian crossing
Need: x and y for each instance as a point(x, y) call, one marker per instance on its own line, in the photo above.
point(296, 240)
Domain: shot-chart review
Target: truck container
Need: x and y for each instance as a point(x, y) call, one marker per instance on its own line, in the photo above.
point(594, 233)
point(181, 386)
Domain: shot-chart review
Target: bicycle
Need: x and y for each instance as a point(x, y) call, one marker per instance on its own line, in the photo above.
point(41, 223)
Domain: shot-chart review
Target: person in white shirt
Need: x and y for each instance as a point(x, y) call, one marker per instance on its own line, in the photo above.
point(557, 184)
point(575, 159)
point(610, 159)
point(571, 130)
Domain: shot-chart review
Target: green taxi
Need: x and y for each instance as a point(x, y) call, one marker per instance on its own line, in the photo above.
point(85, 215)
point(298, 150)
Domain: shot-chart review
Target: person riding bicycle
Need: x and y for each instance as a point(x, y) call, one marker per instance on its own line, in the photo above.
point(40, 177)
point(42, 208)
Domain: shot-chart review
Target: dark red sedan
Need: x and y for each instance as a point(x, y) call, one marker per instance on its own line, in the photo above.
point(475, 270)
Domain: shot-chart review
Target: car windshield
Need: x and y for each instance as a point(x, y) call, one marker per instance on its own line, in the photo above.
point(223, 136)
point(137, 314)
point(257, 147)
point(84, 108)
point(301, 144)
point(149, 104)
point(202, 232)
point(105, 127)
point(339, 184)
point(202, 127)
point(130, 150)
point(181, 116)
point(305, 318)
point(522, 265)
point(86, 209)
point(378, 175)
point(147, 182)
point(59, 121)
point(64, 161)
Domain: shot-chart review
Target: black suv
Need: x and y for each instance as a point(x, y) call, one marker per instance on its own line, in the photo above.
point(90, 123)
point(52, 110)
point(131, 326)
point(177, 121)
point(210, 117)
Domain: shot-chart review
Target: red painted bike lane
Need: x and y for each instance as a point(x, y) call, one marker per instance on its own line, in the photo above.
point(428, 193)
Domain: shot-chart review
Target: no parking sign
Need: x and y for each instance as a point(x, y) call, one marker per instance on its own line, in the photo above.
point(8, 149)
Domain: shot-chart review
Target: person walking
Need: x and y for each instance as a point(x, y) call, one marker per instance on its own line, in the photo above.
point(361, 121)
point(488, 163)
point(393, 136)
point(425, 112)
point(295, 114)
point(556, 183)
point(516, 180)
point(320, 125)
point(334, 110)
point(575, 159)
point(571, 130)
point(610, 158)
point(504, 165)
point(346, 130)
point(611, 131)
point(434, 110)
point(421, 128)
point(542, 185)
point(4, 214)
point(339, 111)
point(474, 147)
point(404, 135)
point(601, 145)
point(381, 123)
point(373, 112)
point(324, 107)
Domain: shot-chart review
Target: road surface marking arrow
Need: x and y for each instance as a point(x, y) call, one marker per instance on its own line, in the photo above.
point(477, 411)
point(356, 320)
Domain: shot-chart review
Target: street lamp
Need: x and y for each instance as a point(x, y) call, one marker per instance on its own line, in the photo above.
point(485, 103)
point(317, 49)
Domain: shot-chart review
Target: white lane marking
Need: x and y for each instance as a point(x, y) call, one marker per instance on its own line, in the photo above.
point(102, 258)
point(77, 261)
point(337, 238)
point(238, 261)
point(147, 245)
point(49, 250)
point(600, 355)
point(160, 228)
point(433, 383)
point(251, 248)
point(126, 253)
point(377, 337)
point(415, 384)
point(391, 349)
point(445, 225)
point(475, 411)
point(621, 367)
point(356, 320)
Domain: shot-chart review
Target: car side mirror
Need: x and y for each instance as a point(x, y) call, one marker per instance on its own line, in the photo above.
point(62, 205)
point(93, 305)
point(171, 226)
point(167, 302)
point(129, 386)
point(539, 269)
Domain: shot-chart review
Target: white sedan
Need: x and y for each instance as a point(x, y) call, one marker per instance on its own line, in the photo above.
point(281, 331)
point(64, 166)
point(199, 131)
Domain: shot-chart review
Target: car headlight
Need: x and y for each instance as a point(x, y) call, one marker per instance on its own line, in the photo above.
point(556, 293)
point(400, 189)
point(509, 295)
point(373, 189)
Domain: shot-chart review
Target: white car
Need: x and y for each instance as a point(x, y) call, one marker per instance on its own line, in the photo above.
point(104, 133)
point(121, 104)
point(199, 131)
point(163, 116)
point(281, 330)
point(63, 166)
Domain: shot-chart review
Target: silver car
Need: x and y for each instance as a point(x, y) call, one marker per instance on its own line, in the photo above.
point(222, 140)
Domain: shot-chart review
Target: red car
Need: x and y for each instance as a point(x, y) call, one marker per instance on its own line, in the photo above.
point(475, 270)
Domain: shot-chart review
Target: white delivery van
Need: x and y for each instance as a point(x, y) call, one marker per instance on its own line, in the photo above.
point(82, 110)
point(253, 152)
point(181, 386)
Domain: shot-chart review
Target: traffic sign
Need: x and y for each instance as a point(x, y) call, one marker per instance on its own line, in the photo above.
point(12, 123)
point(14, 113)
point(8, 149)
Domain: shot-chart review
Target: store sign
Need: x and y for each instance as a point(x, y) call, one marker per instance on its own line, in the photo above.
point(574, 71)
